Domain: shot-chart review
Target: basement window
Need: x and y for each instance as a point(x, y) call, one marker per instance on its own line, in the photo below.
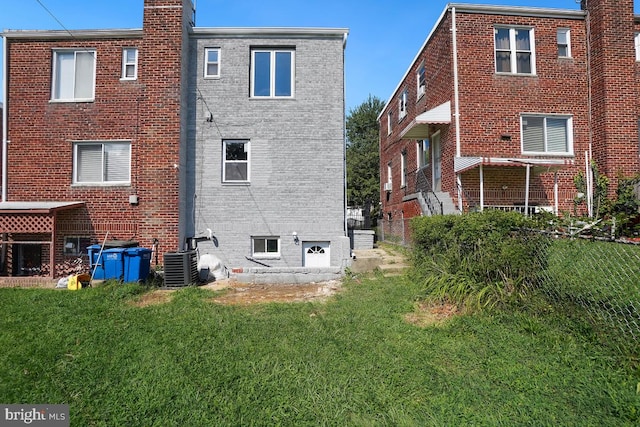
point(266, 247)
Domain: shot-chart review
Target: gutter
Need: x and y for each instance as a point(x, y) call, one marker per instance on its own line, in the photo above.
point(5, 96)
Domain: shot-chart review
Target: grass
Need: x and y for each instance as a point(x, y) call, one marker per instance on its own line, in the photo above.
point(351, 361)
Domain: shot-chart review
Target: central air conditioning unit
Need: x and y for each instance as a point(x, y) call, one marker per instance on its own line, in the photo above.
point(180, 268)
point(388, 186)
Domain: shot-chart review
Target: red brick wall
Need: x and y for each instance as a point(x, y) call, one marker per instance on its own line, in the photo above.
point(615, 89)
point(144, 111)
point(490, 104)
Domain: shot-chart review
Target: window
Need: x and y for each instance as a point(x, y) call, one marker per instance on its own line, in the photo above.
point(514, 50)
point(212, 62)
point(389, 171)
point(74, 75)
point(421, 79)
point(403, 169)
point(266, 246)
point(637, 43)
point(74, 245)
point(389, 122)
point(564, 43)
point(547, 134)
point(235, 167)
point(129, 63)
point(402, 104)
point(272, 73)
point(102, 162)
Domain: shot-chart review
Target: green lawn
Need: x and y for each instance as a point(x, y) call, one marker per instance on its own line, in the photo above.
point(351, 361)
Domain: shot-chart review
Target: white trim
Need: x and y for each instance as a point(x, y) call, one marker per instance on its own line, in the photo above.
point(206, 62)
point(247, 147)
point(125, 64)
point(266, 255)
point(273, 77)
point(55, 71)
point(567, 32)
point(102, 143)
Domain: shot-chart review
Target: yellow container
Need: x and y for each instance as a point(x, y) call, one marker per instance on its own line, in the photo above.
point(76, 281)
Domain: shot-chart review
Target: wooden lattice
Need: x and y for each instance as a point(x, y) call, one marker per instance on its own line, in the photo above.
point(26, 223)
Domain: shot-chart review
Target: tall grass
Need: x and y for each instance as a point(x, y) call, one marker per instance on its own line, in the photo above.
point(351, 361)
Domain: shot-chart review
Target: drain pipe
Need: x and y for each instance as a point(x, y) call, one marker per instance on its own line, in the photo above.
point(456, 96)
point(5, 96)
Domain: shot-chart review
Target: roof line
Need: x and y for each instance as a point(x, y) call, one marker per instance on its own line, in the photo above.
point(72, 34)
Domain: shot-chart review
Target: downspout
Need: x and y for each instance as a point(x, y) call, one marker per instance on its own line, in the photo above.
point(526, 190)
point(481, 187)
point(456, 96)
point(5, 96)
point(344, 138)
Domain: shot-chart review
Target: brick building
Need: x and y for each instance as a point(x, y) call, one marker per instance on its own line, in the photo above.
point(503, 106)
point(104, 138)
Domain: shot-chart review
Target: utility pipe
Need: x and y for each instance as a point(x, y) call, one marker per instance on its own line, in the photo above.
point(5, 96)
point(456, 96)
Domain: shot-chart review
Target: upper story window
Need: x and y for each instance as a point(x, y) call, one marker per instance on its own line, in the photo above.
point(637, 43)
point(235, 165)
point(547, 134)
point(74, 75)
point(515, 50)
point(421, 79)
point(402, 104)
point(102, 162)
point(564, 43)
point(389, 122)
point(212, 62)
point(129, 63)
point(272, 73)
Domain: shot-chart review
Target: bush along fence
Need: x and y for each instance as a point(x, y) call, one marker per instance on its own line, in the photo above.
point(491, 258)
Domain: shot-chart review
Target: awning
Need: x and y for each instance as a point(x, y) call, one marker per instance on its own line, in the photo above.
point(463, 164)
point(37, 207)
point(419, 127)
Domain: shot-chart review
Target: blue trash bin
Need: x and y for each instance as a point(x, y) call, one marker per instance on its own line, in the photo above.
point(137, 264)
point(113, 262)
point(96, 262)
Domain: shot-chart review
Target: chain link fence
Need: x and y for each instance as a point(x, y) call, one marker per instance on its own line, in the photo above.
point(595, 277)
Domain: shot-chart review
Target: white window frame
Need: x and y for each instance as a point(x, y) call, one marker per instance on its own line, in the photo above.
point(389, 122)
point(421, 81)
point(637, 44)
point(513, 51)
point(266, 253)
point(272, 72)
point(402, 104)
point(564, 44)
point(126, 64)
point(104, 149)
point(56, 78)
point(389, 174)
point(207, 63)
point(545, 134)
point(225, 162)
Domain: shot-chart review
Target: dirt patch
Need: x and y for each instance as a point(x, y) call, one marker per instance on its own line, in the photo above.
point(428, 314)
point(153, 298)
point(245, 294)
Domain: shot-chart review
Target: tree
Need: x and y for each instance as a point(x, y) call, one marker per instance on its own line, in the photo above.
point(363, 154)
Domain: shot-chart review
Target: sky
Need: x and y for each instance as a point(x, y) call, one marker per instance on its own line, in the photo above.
point(384, 35)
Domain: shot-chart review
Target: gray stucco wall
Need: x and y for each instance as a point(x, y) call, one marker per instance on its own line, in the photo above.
point(296, 151)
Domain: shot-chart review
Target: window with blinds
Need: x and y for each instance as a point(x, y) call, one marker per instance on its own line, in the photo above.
point(102, 162)
point(547, 135)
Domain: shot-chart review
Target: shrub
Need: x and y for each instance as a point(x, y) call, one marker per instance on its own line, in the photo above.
point(482, 259)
